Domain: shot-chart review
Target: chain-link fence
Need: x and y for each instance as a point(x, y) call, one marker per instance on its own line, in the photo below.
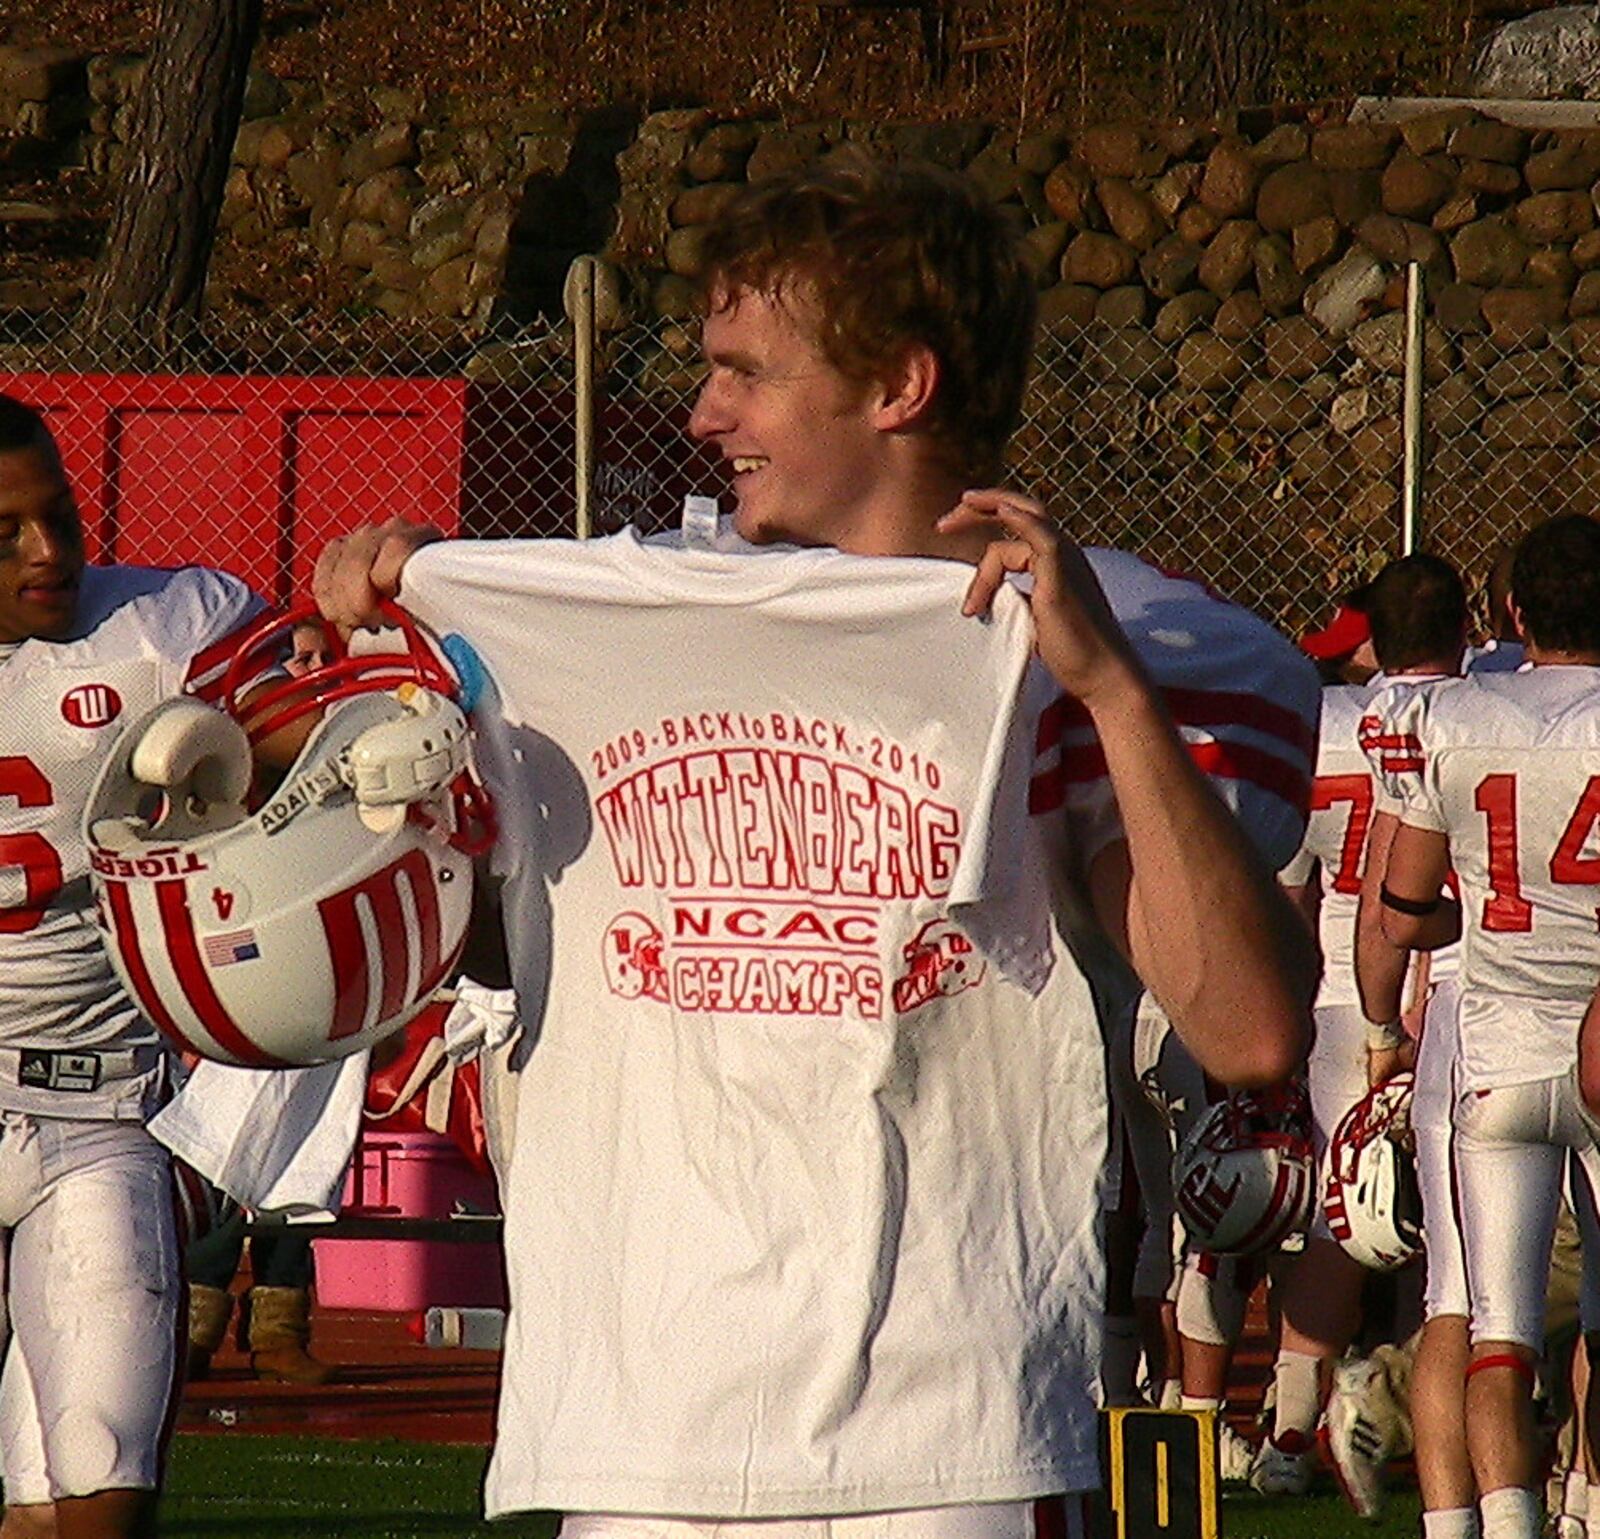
point(1262, 454)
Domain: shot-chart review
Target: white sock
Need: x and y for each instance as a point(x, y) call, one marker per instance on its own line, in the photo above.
point(1575, 1493)
point(1450, 1523)
point(1170, 1396)
point(1512, 1512)
point(1200, 1403)
point(1299, 1394)
point(1591, 1522)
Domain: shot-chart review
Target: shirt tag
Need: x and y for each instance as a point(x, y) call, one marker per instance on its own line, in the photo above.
point(699, 522)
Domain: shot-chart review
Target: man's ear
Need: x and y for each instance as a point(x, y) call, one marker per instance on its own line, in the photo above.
point(905, 395)
point(1516, 619)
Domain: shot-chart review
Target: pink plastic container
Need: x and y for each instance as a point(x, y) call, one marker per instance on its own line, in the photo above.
point(411, 1175)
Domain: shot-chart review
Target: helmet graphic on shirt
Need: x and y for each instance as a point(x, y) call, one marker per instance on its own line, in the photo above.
point(939, 961)
point(1244, 1179)
point(633, 959)
point(316, 924)
point(1370, 1192)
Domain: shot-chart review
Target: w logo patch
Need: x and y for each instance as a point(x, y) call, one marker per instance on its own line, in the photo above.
point(91, 705)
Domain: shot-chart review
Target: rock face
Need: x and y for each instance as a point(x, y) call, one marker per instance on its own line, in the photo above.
point(1550, 56)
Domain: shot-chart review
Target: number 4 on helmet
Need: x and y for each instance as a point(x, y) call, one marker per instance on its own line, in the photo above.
point(321, 921)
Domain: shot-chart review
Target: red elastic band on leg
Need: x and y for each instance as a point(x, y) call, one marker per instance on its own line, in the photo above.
point(1503, 1360)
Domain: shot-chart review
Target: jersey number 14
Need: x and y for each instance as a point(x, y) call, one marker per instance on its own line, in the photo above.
point(1496, 798)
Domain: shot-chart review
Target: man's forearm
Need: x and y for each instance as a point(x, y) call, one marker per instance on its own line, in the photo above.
point(1380, 964)
point(1207, 928)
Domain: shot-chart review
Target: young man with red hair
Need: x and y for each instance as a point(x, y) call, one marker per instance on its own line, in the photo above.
point(836, 1273)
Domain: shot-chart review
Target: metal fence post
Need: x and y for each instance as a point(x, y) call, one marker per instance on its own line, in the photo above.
point(1411, 494)
point(580, 292)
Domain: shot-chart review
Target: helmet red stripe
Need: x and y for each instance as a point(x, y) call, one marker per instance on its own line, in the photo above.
point(126, 935)
point(184, 950)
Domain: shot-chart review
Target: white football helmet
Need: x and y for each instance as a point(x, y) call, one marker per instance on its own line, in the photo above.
point(1244, 1178)
point(1370, 1195)
point(317, 924)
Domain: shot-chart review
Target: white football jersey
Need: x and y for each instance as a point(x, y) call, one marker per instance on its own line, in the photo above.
point(811, 1104)
point(1508, 766)
point(141, 636)
point(1334, 848)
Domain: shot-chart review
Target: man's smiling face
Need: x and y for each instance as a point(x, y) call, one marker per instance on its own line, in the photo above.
point(41, 547)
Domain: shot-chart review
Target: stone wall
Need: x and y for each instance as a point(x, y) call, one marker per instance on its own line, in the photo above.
point(1224, 300)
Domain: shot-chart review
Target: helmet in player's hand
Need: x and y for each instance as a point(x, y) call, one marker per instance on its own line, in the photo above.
point(1244, 1178)
point(1370, 1194)
point(312, 926)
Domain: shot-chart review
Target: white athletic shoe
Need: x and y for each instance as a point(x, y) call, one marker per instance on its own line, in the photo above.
point(1234, 1455)
point(1354, 1437)
point(1282, 1466)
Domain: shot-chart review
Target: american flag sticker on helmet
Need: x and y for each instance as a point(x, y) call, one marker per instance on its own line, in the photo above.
point(233, 946)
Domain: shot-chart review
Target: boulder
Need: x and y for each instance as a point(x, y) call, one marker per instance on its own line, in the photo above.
point(1229, 256)
point(1572, 162)
point(1430, 133)
point(1178, 317)
point(1069, 190)
point(1381, 344)
point(1067, 306)
point(1273, 406)
point(1131, 215)
point(1212, 363)
point(1278, 282)
point(1522, 317)
point(1315, 243)
point(1295, 348)
point(1551, 217)
point(1175, 186)
point(1455, 405)
point(1489, 176)
point(1122, 307)
point(1458, 308)
point(1291, 195)
point(1482, 138)
point(1585, 296)
point(1101, 261)
point(1455, 212)
point(1353, 146)
point(1553, 55)
point(1232, 175)
point(1344, 292)
point(1197, 224)
point(1171, 267)
point(1412, 188)
point(1525, 373)
point(1536, 421)
point(1239, 316)
point(1114, 149)
point(1488, 252)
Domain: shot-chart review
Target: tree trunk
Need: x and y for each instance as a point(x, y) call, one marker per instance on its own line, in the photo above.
point(1221, 55)
point(146, 294)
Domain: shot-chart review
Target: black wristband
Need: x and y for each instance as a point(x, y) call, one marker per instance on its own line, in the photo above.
point(1412, 906)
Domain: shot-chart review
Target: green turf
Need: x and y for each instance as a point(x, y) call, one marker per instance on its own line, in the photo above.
point(250, 1487)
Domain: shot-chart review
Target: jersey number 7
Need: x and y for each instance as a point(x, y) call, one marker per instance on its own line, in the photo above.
point(1496, 798)
point(1328, 791)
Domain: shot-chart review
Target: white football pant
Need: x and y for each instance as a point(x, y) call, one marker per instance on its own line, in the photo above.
point(1053, 1518)
point(93, 1285)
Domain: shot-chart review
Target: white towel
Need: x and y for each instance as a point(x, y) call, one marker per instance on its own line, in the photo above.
point(277, 1140)
point(480, 1020)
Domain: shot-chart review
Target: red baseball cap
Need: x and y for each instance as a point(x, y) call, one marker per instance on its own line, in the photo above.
point(1339, 637)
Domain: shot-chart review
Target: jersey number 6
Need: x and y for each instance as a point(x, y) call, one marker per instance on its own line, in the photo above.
point(21, 780)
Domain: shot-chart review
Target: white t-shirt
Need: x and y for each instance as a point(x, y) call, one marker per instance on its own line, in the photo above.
point(802, 1209)
point(1508, 766)
point(140, 637)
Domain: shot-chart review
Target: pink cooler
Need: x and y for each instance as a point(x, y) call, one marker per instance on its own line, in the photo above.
point(411, 1175)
